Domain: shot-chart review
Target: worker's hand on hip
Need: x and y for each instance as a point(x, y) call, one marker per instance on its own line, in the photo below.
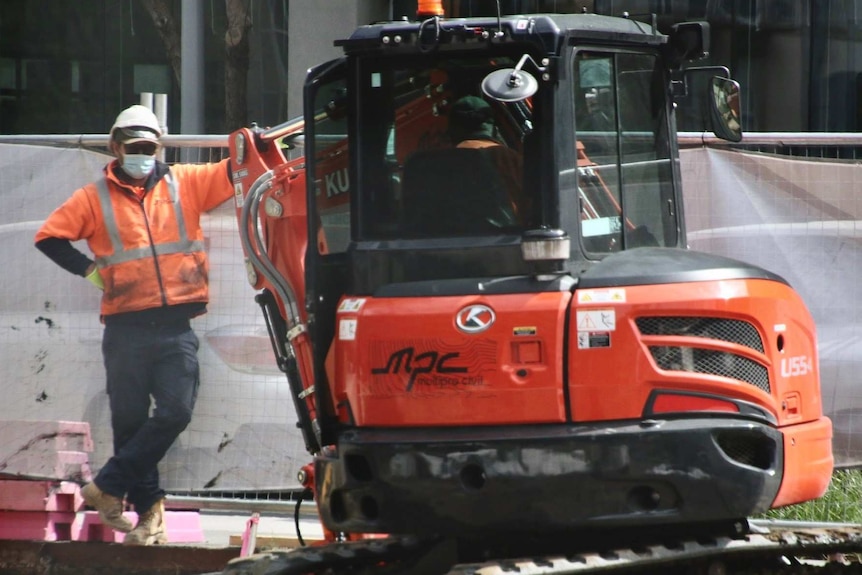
point(95, 278)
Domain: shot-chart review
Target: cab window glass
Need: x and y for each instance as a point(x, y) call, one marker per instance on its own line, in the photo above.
point(437, 158)
point(331, 173)
point(624, 171)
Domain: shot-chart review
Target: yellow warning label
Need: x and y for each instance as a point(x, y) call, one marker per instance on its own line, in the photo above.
point(612, 295)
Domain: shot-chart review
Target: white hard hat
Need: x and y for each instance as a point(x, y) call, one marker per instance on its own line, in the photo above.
point(137, 124)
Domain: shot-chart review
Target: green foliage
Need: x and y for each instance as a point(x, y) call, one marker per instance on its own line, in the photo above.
point(840, 503)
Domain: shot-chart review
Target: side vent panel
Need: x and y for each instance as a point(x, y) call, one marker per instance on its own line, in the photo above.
point(707, 361)
point(730, 330)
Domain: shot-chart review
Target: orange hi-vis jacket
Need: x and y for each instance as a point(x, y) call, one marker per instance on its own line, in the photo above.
point(149, 248)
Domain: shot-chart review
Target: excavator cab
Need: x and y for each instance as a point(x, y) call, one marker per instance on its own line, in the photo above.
point(503, 334)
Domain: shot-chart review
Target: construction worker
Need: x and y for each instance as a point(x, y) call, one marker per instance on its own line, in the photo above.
point(141, 222)
point(471, 125)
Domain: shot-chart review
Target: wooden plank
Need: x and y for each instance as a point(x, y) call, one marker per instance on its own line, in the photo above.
point(97, 558)
point(264, 543)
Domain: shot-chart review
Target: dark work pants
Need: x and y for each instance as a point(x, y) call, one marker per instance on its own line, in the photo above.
point(143, 362)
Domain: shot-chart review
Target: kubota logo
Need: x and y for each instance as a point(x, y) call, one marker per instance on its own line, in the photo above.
point(475, 318)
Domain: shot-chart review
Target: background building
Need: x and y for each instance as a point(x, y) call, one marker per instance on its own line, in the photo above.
point(67, 67)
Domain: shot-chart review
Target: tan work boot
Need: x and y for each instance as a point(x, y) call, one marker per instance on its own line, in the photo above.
point(150, 528)
point(110, 508)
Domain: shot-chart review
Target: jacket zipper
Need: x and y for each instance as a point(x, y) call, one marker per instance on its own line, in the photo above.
point(153, 250)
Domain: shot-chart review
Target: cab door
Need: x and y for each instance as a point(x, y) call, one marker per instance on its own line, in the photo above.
point(327, 153)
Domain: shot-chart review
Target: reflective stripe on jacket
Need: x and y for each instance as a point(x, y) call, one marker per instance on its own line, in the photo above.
point(150, 248)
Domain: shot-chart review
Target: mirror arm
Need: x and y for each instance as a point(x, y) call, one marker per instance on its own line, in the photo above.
point(523, 60)
point(515, 79)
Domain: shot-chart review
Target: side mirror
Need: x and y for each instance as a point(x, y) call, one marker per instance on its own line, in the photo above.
point(509, 85)
point(724, 109)
point(512, 84)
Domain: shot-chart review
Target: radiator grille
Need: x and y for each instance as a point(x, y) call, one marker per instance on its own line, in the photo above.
point(707, 361)
point(730, 330)
point(711, 362)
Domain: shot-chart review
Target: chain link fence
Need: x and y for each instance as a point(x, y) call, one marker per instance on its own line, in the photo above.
point(791, 203)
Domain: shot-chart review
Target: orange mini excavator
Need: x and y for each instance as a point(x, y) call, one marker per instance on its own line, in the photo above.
point(503, 354)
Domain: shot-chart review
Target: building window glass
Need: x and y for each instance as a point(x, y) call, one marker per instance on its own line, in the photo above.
point(7, 74)
point(152, 78)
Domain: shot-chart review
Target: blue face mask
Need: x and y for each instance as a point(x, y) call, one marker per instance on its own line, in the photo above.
point(138, 165)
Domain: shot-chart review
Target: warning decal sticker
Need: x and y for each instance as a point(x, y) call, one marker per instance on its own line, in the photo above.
point(347, 329)
point(591, 339)
point(238, 194)
point(601, 296)
point(597, 320)
point(351, 305)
